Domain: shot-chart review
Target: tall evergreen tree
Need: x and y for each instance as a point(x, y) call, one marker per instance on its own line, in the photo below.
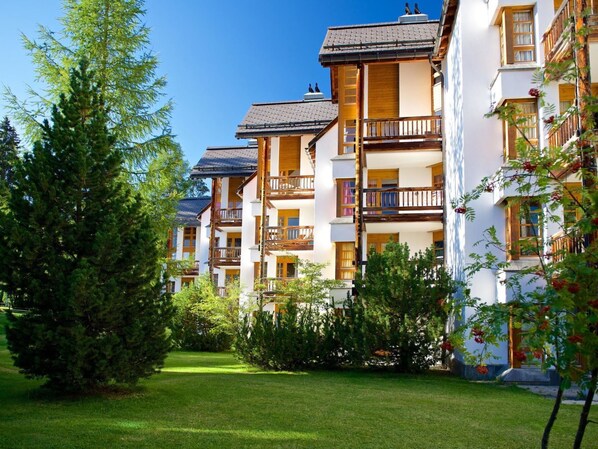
point(112, 35)
point(80, 254)
point(9, 155)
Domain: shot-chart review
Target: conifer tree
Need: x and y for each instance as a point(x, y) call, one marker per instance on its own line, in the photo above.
point(81, 255)
point(113, 37)
point(9, 154)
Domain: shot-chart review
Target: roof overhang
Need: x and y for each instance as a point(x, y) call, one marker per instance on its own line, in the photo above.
point(445, 27)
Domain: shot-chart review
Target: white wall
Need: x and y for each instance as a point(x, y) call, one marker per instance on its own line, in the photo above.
point(325, 201)
point(415, 89)
point(247, 238)
point(203, 250)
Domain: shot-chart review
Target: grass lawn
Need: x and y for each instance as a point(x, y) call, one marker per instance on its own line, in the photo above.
point(205, 401)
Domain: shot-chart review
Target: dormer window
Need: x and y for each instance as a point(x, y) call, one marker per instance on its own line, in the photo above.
point(517, 36)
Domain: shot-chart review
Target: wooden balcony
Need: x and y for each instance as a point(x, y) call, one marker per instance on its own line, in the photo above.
point(564, 132)
point(193, 269)
point(291, 187)
point(273, 286)
point(557, 40)
point(229, 217)
point(567, 243)
point(227, 256)
point(405, 133)
point(289, 238)
point(403, 204)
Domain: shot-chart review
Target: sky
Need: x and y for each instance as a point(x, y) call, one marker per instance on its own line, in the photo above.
point(219, 57)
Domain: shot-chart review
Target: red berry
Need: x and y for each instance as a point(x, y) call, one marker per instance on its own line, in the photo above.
point(489, 187)
point(447, 346)
point(593, 303)
point(595, 221)
point(575, 166)
point(549, 120)
point(544, 325)
point(556, 196)
point(520, 356)
point(558, 284)
point(533, 92)
point(460, 210)
point(573, 287)
point(482, 369)
point(529, 167)
point(538, 353)
point(544, 310)
point(575, 339)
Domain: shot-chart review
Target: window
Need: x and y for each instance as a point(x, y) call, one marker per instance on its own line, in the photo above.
point(189, 236)
point(525, 124)
point(286, 267)
point(572, 213)
point(350, 85)
point(345, 260)
point(524, 228)
point(186, 282)
point(171, 243)
point(349, 136)
point(377, 242)
point(438, 239)
point(517, 36)
point(345, 202)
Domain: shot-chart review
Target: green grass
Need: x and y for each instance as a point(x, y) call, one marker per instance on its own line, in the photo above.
point(211, 401)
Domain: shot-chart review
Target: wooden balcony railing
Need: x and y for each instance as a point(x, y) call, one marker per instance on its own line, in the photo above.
point(564, 132)
point(404, 128)
point(567, 243)
point(289, 237)
point(559, 36)
point(232, 216)
point(274, 285)
point(291, 186)
point(395, 200)
point(230, 255)
point(192, 269)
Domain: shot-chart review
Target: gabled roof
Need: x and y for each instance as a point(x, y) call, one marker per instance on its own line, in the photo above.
point(188, 208)
point(447, 19)
point(287, 118)
point(378, 42)
point(222, 162)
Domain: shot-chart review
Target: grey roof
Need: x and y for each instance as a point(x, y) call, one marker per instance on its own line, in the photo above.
point(219, 162)
point(188, 208)
point(287, 118)
point(378, 42)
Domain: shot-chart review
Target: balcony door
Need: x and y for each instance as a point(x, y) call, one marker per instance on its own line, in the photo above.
point(289, 218)
point(381, 198)
point(286, 267)
point(289, 161)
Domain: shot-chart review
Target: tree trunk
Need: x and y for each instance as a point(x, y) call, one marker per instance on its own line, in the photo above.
point(583, 419)
point(553, 415)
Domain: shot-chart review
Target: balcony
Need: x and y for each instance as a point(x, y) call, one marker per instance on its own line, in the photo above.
point(563, 243)
point(192, 269)
point(227, 256)
point(229, 217)
point(403, 204)
point(289, 238)
point(557, 40)
point(273, 286)
point(405, 133)
point(564, 131)
point(291, 187)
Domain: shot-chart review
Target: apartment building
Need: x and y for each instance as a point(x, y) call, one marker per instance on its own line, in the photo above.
point(220, 237)
point(278, 202)
point(183, 242)
point(403, 135)
point(490, 52)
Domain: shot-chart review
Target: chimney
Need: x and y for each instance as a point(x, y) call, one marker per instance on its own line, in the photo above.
point(413, 18)
point(313, 95)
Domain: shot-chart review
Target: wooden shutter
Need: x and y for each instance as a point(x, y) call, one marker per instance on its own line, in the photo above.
point(514, 343)
point(512, 231)
point(233, 198)
point(289, 155)
point(507, 36)
point(383, 91)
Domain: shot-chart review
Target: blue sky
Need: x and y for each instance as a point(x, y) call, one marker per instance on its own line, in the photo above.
point(218, 56)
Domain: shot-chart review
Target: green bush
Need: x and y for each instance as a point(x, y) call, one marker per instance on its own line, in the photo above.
point(397, 319)
point(203, 320)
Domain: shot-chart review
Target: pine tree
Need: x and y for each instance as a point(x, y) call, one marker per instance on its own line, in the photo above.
point(9, 155)
point(81, 255)
point(112, 35)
